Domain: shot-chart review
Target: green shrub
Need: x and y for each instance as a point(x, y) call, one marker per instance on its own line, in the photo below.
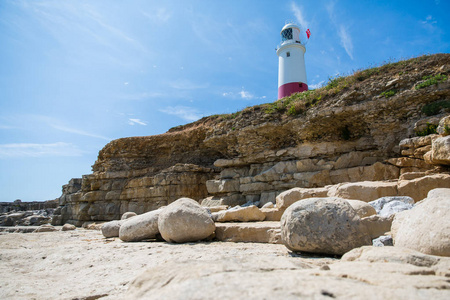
point(430, 129)
point(434, 108)
point(431, 80)
point(389, 93)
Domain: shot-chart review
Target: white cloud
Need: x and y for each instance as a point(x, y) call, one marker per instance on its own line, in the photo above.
point(242, 94)
point(39, 150)
point(346, 41)
point(184, 112)
point(317, 85)
point(161, 15)
point(344, 36)
point(297, 10)
point(136, 121)
point(79, 132)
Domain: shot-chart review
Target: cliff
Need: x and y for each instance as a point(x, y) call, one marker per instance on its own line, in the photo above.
point(350, 130)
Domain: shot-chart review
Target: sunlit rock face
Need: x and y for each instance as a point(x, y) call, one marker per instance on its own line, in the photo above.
point(353, 132)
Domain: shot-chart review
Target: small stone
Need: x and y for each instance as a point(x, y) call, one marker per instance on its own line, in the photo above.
point(128, 215)
point(68, 227)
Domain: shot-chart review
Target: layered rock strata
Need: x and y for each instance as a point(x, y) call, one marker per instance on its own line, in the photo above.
point(355, 134)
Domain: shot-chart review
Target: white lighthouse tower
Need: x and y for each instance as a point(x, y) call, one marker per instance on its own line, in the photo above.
point(291, 62)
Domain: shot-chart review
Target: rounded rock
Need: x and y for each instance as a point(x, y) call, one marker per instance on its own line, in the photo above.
point(323, 225)
point(185, 221)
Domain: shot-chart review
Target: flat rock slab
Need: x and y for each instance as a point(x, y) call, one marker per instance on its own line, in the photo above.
point(254, 232)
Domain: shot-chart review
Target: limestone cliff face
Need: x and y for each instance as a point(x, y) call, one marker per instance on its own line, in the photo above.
point(350, 132)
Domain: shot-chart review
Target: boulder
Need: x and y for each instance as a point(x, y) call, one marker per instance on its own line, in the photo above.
point(418, 188)
point(363, 209)
point(323, 225)
point(377, 225)
point(111, 229)
point(68, 227)
point(128, 214)
point(440, 151)
point(140, 227)
point(239, 214)
point(289, 197)
point(185, 221)
point(364, 190)
point(426, 227)
point(387, 206)
point(45, 228)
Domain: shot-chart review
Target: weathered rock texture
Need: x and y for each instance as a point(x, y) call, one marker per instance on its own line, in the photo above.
point(353, 133)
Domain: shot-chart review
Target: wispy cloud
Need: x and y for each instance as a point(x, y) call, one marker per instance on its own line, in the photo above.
point(160, 15)
point(184, 112)
point(297, 10)
point(38, 150)
point(136, 121)
point(186, 84)
point(346, 41)
point(316, 85)
point(79, 132)
point(342, 31)
point(242, 94)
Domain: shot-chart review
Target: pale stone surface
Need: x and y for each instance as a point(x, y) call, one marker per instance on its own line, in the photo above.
point(387, 206)
point(68, 227)
point(128, 214)
point(440, 151)
point(240, 214)
point(443, 124)
point(141, 227)
point(111, 229)
point(347, 279)
point(323, 225)
point(191, 271)
point(418, 188)
point(273, 214)
point(377, 225)
point(254, 232)
point(425, 228)
point(185, 221)
point(45, 228)
point(363, 209)
point(289, 197)
point(365, 191)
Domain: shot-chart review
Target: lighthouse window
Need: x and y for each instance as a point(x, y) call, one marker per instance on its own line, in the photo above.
point(286, 34)
point(288, 54)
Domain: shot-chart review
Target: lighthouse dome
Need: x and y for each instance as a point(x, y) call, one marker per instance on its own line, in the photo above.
point(290, 33)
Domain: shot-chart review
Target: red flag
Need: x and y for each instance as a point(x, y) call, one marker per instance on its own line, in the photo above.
point(308, 33)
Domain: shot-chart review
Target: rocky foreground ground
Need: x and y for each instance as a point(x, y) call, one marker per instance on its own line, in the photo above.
point(82, 264)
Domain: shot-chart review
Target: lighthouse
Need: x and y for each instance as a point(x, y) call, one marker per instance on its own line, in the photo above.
point(291, 62)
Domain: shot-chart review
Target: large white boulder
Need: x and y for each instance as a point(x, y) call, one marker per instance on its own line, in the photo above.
point(140, 227)
point(426, 227)
point(323, 225)
point(185, 221)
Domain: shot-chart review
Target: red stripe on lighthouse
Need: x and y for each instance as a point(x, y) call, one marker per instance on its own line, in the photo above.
point(291, 88)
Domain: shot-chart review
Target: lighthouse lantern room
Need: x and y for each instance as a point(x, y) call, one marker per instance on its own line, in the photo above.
point(291, 62)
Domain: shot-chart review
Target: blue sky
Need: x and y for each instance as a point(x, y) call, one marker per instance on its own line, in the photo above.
point(77, 74)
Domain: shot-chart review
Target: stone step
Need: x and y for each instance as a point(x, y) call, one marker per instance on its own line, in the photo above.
point(250, 232)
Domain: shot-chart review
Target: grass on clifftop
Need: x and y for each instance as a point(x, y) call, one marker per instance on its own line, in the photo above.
point(299, 103)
